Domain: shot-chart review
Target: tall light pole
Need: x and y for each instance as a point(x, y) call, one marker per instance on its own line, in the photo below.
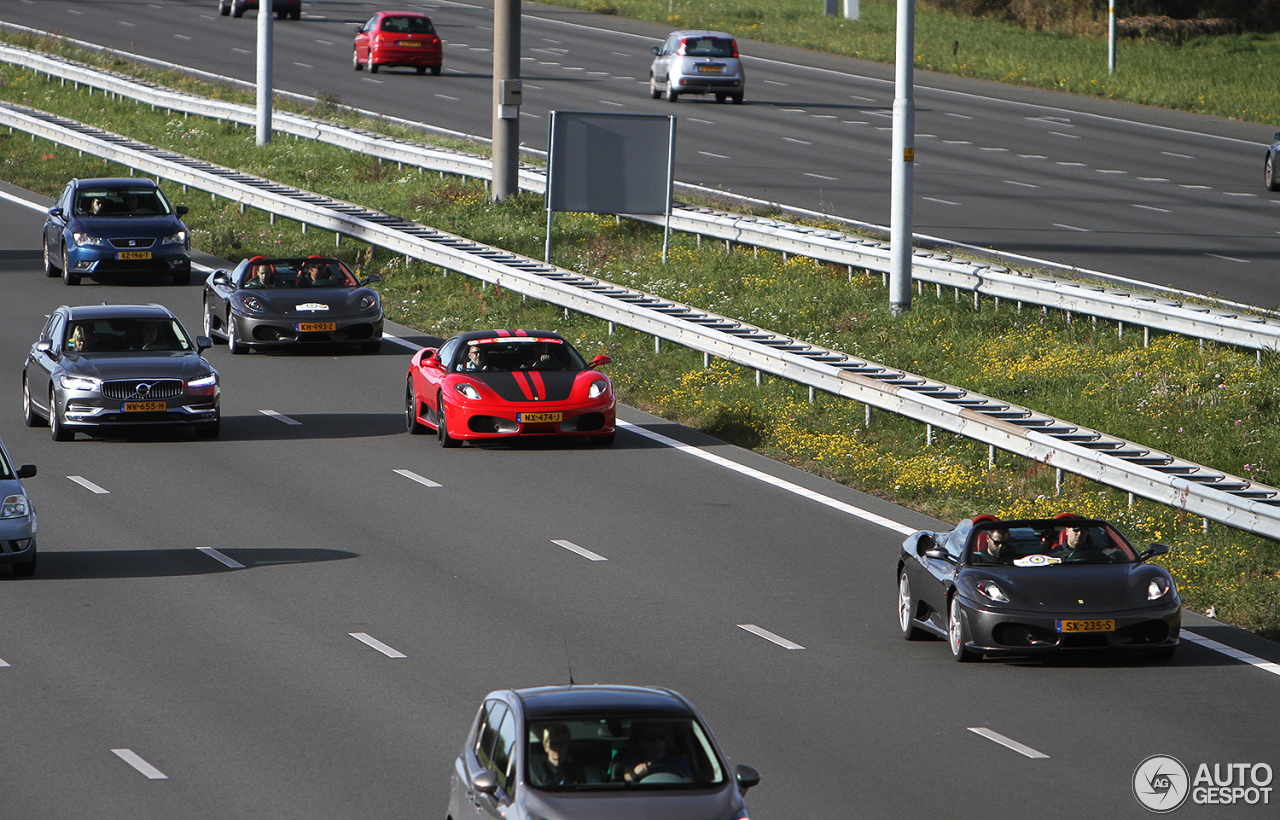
point(264, 71)
point(904, 156)
point(506, 99)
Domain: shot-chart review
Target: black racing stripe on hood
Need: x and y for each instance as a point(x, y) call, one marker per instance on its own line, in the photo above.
point(556, 384)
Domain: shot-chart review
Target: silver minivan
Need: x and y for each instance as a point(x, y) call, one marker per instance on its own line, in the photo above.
point(697, 62)
point(17, 517)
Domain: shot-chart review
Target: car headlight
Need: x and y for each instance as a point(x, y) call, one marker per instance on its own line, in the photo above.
point(88, 240)
point(1158, 588)
point(598, 387)
point(992, 591)
point(78, 383)
point(368, 301)
point(467, 390)
point(203, 387)
point(179, 238)
point(14, 506)
point(251, 304)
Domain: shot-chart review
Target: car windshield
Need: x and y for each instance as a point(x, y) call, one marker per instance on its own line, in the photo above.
point(137, 201)
point(1048, 543)
point(577, 754)
point(508, 354)
point(281, 274)
point(125, 334)
point(407, 25)
point(708, 47)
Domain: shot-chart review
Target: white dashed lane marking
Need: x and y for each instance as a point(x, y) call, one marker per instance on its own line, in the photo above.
point(130, 757)
point(412, 476)
point(583, 551)
point(377, 644)
point(88, 485)
point(769, 636)
point(280, 417)
point(1008, 743)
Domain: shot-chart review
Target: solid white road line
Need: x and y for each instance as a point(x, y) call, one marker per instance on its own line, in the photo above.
point(397, 340)
point(583, 551)
point(412, 476)
point(1231, 652)
point(769, 636)
point(151, 772)
point(88, 485)
point(377, 644)
point(219, 557)
point(1008, 743)
point(781, 484)
point(280, 417)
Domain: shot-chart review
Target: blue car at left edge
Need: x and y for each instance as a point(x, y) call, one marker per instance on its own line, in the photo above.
point(117, 229)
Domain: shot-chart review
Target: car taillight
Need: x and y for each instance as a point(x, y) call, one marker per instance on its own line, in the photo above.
point(681, 49)
point(735, 49)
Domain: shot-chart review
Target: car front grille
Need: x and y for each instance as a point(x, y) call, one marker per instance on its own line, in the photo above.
point(133, 243)
point(141, 390)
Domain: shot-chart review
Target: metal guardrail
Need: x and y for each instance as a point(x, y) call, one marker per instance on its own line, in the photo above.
point(1115, 462)
point(938, 269)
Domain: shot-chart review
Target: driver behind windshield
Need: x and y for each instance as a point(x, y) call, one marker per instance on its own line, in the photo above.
point(556, 766)
point(651, 753)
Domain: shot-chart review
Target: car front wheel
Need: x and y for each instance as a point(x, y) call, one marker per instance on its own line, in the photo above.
point(237, 8)
point(654, 93)
point(355, 60)
point(233, 339)
point(56, 429)
point(29, 414)
point(223, 8)
point(1269, 177)
point(906, 611)
point(958, 633)
point(442, 428)
point(67, 276)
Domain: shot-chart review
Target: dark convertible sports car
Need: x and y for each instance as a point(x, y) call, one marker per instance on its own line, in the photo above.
point(1035, 585)
point(493, 384)
point(1271, 170)
point(283, 303)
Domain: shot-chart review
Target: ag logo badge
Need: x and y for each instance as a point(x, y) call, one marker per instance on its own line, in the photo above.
point(1161, 784)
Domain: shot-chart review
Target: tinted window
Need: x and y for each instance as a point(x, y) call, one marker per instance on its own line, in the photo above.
point(487, 735)
point(708, 47)
point(135, 201)
point(502, 761)
point(407, 25)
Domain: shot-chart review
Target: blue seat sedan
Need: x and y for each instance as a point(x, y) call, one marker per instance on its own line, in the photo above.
point(115, 228)
point(17, 518)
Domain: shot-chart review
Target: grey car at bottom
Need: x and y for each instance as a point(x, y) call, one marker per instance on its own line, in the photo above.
point(594, 751)
point(105, 368)
point(17, 517)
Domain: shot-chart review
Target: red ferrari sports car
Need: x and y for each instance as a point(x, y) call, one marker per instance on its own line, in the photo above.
point(494, 384)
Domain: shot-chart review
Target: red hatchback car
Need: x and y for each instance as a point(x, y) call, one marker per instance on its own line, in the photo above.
point(397, 38)
point(494, 384)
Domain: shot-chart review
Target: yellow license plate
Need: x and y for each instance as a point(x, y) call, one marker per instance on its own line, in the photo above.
point(710, 69)
point(530, 418)
point(307, 327)
point(133, 255)
point(409, 43)
point(146, 406)
point(1102, 625)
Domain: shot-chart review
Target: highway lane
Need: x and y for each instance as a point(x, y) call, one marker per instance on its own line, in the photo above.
point(245, 688)
point(1160, 196)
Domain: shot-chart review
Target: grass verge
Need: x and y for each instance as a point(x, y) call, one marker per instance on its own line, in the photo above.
point(1205, 403)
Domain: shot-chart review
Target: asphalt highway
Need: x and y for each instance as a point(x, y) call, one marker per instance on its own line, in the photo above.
point(1164, 197)
point(299, 619)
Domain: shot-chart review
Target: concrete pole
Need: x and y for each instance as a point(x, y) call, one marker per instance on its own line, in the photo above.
point(904, 155)
point(1111, 37)
point(264, 71)
point(506, 99)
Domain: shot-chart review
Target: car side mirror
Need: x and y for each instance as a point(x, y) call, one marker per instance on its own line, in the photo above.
point(657, 50)
point(746, 776)
point(939, 555)
point(924, 543)
point(430, 360)
point(182, 210)
point(44, 346)
point(600, 360)
point(221, 277)
point(359, 29)
point(1154, 550)
point(203, 343)
point(486, 782)
point(58, 213)
point(27, 471)
point(370, 279)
